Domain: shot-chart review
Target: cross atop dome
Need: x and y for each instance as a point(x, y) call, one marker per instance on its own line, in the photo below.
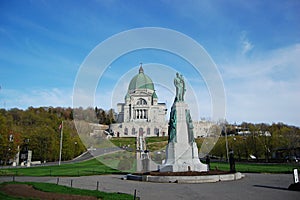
point(141, 70)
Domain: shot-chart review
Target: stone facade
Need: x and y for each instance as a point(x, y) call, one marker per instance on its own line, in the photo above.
point(141, 114)
point(202, 128)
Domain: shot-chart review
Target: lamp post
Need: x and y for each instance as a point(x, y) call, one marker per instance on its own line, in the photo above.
point(226, 141)
point(60, 143)
point(75, 149)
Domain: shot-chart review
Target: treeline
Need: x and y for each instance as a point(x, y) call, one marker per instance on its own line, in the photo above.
point(37, 129)
point(277, 141)
point(94, 115)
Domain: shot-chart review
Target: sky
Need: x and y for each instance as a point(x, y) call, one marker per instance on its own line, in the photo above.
point(255, 46)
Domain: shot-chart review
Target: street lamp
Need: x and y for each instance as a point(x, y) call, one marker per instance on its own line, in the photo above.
point(75, 148)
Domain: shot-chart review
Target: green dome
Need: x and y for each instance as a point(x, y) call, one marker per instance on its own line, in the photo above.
point(140, 81)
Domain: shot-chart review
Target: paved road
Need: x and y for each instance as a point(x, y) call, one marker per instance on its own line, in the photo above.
point(83, 157)
point(253, 186)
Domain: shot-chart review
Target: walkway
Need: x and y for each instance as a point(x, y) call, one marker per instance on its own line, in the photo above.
point(253, 186)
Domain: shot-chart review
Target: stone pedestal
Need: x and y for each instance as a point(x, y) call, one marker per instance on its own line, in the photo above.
point(182, 152)
point(29, 158)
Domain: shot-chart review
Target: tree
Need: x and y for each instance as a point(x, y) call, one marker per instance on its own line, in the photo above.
point(110, 118)
point(36, 129)
point(9, 140)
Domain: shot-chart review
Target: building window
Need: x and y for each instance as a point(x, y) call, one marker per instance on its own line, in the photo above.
point(141, 132)
point(148, 131)
point(126, 131)
point(129, 111)
point(156, 131)
point(141, 102)
point(133, 131)
point(141, 114)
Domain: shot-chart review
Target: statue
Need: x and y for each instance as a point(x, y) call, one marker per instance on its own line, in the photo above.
point(232, 161)
point(183, 87)
point(182, 151)
point(180, 87)
point(172, 126)
point(190, 126)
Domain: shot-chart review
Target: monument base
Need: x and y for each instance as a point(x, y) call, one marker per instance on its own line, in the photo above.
point(206, 177)
point(182, 151)
point(199, 167)
point(187, 161)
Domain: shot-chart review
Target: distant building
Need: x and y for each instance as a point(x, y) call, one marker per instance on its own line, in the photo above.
point(202, 128)
point(242, 131)
point(141, 114)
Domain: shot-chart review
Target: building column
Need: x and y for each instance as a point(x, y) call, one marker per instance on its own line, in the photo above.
point(130, 112)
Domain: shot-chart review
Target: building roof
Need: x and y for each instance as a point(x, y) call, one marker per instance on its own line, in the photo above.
point(141, 81)
point(154, 95)
point(127, 96)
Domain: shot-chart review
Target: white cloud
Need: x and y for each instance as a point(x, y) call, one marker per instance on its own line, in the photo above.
point(38, 97)
point(265, 88)
point(246, 44)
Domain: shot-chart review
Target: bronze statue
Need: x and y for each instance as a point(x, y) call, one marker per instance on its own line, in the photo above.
point(172, 126)
point(180, 87)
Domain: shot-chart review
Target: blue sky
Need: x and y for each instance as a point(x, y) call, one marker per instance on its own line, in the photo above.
point(255, 45)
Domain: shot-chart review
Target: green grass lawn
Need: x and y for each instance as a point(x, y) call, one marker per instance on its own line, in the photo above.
point(50, 187)
point(151, 141)
point(256, 167)
point(90, 167)
point(156, 139)
point(94, 167)
point(119, 142)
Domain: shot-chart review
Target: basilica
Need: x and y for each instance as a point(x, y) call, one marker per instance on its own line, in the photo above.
point(141, 114)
